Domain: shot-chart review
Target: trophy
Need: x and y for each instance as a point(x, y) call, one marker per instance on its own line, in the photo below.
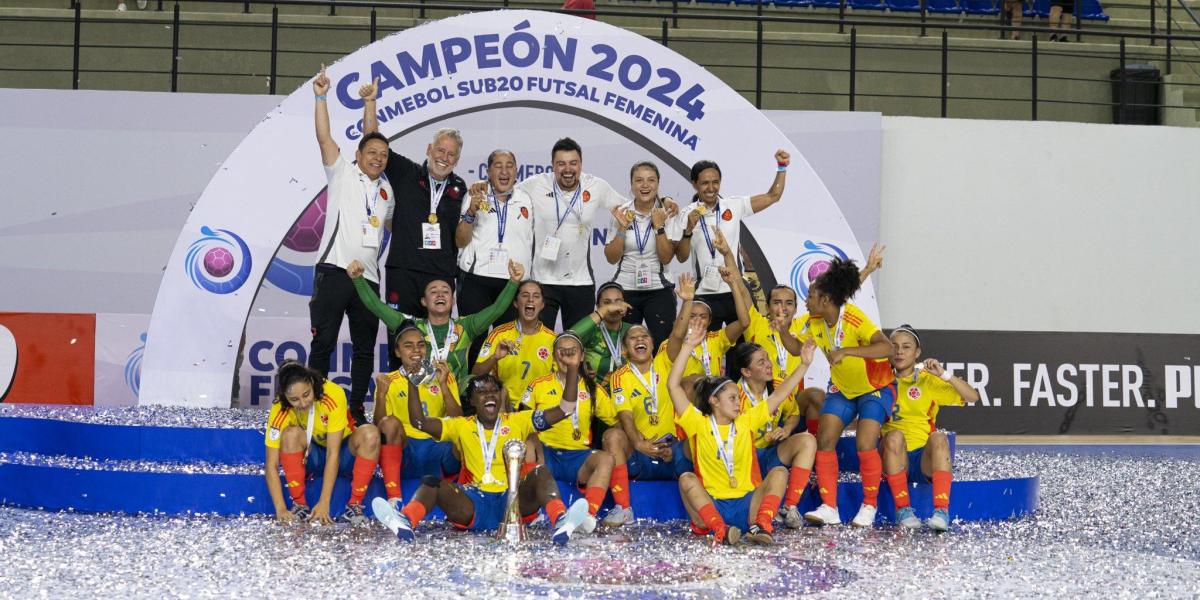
point(423, 374)
point(512, 530)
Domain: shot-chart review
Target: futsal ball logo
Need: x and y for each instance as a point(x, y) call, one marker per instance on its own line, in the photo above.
point(211, 261)
point(291, 269)
point(133, 367)
point(811, 264)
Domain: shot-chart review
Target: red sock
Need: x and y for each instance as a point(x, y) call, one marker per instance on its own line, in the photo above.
point(595, 497)
point(527, 467)
point(827, 476)
point(555, 509)
point(941, 490)
point(620, 485)
point(797, 479)
point(293, 474)
point(415, 511)
point(391, 456)
point(712, 518)
point(698, 530)
point(871, 468)
point(899, 484)
point(766, 512)
point(811, 425)
point(364, 470)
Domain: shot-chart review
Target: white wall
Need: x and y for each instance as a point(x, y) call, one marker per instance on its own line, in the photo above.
point(1007, 225)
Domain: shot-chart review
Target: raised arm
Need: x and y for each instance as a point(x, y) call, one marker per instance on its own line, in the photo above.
point(789, 384)
point(679, 397)
point(329, 148)
point(615, 248)
point(775, 192)
point(686, 290)
point(416, 414)
point(874, 262)
point(370, 298)
point(969, 394)
point(368, 93)
point(570, 359)
point(663, 245)
point(783, 328)
point(488, 365)
point(466, 225)
point(741, 296)
point(449, 392)
point(683, 248)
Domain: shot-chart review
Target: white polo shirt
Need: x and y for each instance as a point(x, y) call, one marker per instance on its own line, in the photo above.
point(727, 216)
point(486, 254)
point(554, 214)
point(351, 200)
point(639, 260)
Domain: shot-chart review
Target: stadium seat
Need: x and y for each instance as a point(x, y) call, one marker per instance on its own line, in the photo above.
point(866, 4)
point(904, 5)
point(949, 7)
point(794, 3)
point(980, 7)
point(751, 2)
point(713, 1)
point(1037, 8)
point(1091, 10)
point(827, 3)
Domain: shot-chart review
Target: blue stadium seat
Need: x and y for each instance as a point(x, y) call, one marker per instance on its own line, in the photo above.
point(866, 4)
point(713, 1)
point(980, 7)
point(1037, 8)
point(794, 3)
point(827, 3)
point(904, 5)
point(943, 6)
point(1091, 10)
point(751, 2)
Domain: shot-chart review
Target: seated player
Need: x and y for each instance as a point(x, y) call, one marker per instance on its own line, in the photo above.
point(775, 442)
point(478, 501)
point(449, 337)
point(408, 452)
point(519, 351)
point(602, 331)
point(861, 386)
point(913, 449)
point(727, 487)
point(707, 359)
point(567, 446)
point(309, 409)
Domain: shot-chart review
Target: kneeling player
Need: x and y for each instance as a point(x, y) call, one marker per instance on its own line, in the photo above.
point(728, 487)
point(913, 449)
point(311, 409)
point(478, 504)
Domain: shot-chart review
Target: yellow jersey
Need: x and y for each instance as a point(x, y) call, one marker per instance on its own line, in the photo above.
point(787, 409)
point(708, 358)
point(465, 434)
point(710, 466)
point(652, 411)
point(433, 401)
point(329, 414)
point(853, 376)
point(760, 332)
point(918, 399)
point(531, 360)
point(574, 432)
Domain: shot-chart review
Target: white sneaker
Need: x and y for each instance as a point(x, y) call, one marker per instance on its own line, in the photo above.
point(618, 516)
point(121, 7)
point(907, 518)
point(865, 516)
point(572, 521)
point(940, 521)
point(142, 4)
point(396, 503)
point(394, 521)
point(824, 515)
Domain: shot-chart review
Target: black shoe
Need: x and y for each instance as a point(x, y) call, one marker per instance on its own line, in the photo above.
point(1054, 37)
point(360, 417)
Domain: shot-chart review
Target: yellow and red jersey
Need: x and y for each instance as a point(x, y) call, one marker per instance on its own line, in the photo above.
point(709, 465)
point(532, 358)
point(653, 413)
point(788, 408)
point(433, 400)
point(853, 376)
point(574, 432)
point(463, 432)
point(761, 333)
point(330, 414)
point(918, 399)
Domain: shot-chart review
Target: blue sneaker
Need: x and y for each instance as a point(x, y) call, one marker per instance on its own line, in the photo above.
point(940, 521)
point(574, 517)
point(907, 518)
point(394, 521)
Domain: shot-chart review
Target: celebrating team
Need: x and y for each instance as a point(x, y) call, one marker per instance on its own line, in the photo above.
point(710, 395)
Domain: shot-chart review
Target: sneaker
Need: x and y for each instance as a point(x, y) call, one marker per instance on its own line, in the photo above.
point(791, 517)
point(574, 518)
point(302, 512)
point(907, 518)
point(121, 7)
point(865, 516)
point(758, 535)
point(396, 522)
point(732, 536)
point(940, 521)
point(354, 516)
point(396, 503)
point(824, 515)
point(142, 4)
point(618, 516)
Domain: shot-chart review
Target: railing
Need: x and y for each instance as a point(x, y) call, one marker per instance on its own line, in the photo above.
point(760, 20)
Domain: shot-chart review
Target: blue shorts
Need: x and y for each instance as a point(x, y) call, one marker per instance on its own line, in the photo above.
point(652, 469)
point(915, 475)
point(314, 466)
point(735, 511)
point(564, 465)
point(489, 509)
point(768, 458)
point(426, 457)
point(873, 406)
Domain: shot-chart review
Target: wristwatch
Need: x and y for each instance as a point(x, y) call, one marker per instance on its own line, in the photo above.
point(660, 231)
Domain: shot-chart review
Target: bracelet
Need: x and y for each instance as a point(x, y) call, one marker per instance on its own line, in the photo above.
point(468, 219)
point(321, 98)
point(781, 169)
point(782, 165)
point(946, 376)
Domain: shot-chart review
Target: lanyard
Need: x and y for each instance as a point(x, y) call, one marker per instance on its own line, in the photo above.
point(501, 215)
point(637, 235)
point(724, 446)
point(780, 353)
point(562, 216)
point(371, 194)
point(435, 193)
point(614, 347)
point(705, 356)
point(712, 250)
point(312, 411)
point(651, 386)
point(436, 351)
point(754, 400)
point(488, 448)
point(836, 341)
point(574, 415)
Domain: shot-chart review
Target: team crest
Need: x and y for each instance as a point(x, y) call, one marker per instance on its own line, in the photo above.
point(619, 399)
point(543, 353)
point(727, 215)
point(273, 434)
point(914, 392)
point(833, 389)
point(324, 419)
point(587, 195)
point(582, 395)
point(383, 193)
point(435, 389)
point(504, 430)
point(524, 212)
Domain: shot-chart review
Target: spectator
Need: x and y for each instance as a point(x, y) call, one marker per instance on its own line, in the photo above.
point(1014, 10)
point(142, 5)
point(1061, 12)
point(582, 8)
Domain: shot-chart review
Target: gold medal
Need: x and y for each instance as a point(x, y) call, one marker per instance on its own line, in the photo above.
point(654, 419)
point(374, 221)
point(483, 205)
point(702, 209)
point(577, 434)
point(432, 218)
point(629, 215)
point(732, 481)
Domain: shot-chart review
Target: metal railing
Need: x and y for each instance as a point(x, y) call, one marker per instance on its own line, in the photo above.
point(760, 19)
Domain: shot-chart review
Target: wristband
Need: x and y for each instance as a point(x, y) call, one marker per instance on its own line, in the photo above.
point(321, 98)
point(782, 164)
point(687, 234)
point(466, 218)
point(946, 376)
point(781, 169)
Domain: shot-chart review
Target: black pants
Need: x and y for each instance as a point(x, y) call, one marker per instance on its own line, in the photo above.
point(574, 301)
point(476, 293)
point(405, 289)
point(333, 296)
point(656, 308)
point(724, 311)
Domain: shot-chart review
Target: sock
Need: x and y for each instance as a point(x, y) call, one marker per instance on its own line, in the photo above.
point(797, 479)
point(811, 425)
point(827, 476)
point(766, 512)
point(527, 467)
point(293, 474)
point(595, 497)
point(899, 484)
point(555, 509)
point(364, 470)
point(941, 490)
point(698, 530)
point(871, 468)
point(712, 518)
point(415, 511)
point(391, 456)
point(620, 485)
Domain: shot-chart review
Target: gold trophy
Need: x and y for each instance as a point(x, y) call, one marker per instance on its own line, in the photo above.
point(512, 530)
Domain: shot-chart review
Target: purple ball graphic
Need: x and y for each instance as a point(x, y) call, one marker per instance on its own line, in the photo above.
point(817, 269)
point(218, 262)
point(305, 235)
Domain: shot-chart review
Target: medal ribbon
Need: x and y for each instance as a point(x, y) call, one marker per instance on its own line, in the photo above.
point(371, 200)
point(651, 386)
point(441, 352)
point(705, 356)
point(312, 412)
point(488, 448)
point(562, 216)
point(637, 235)
point(780, 353)
point(501, 216)
point(724, 446)
point(614, 347)
point(435, 193)
point(712, 250)
point(754, 400)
